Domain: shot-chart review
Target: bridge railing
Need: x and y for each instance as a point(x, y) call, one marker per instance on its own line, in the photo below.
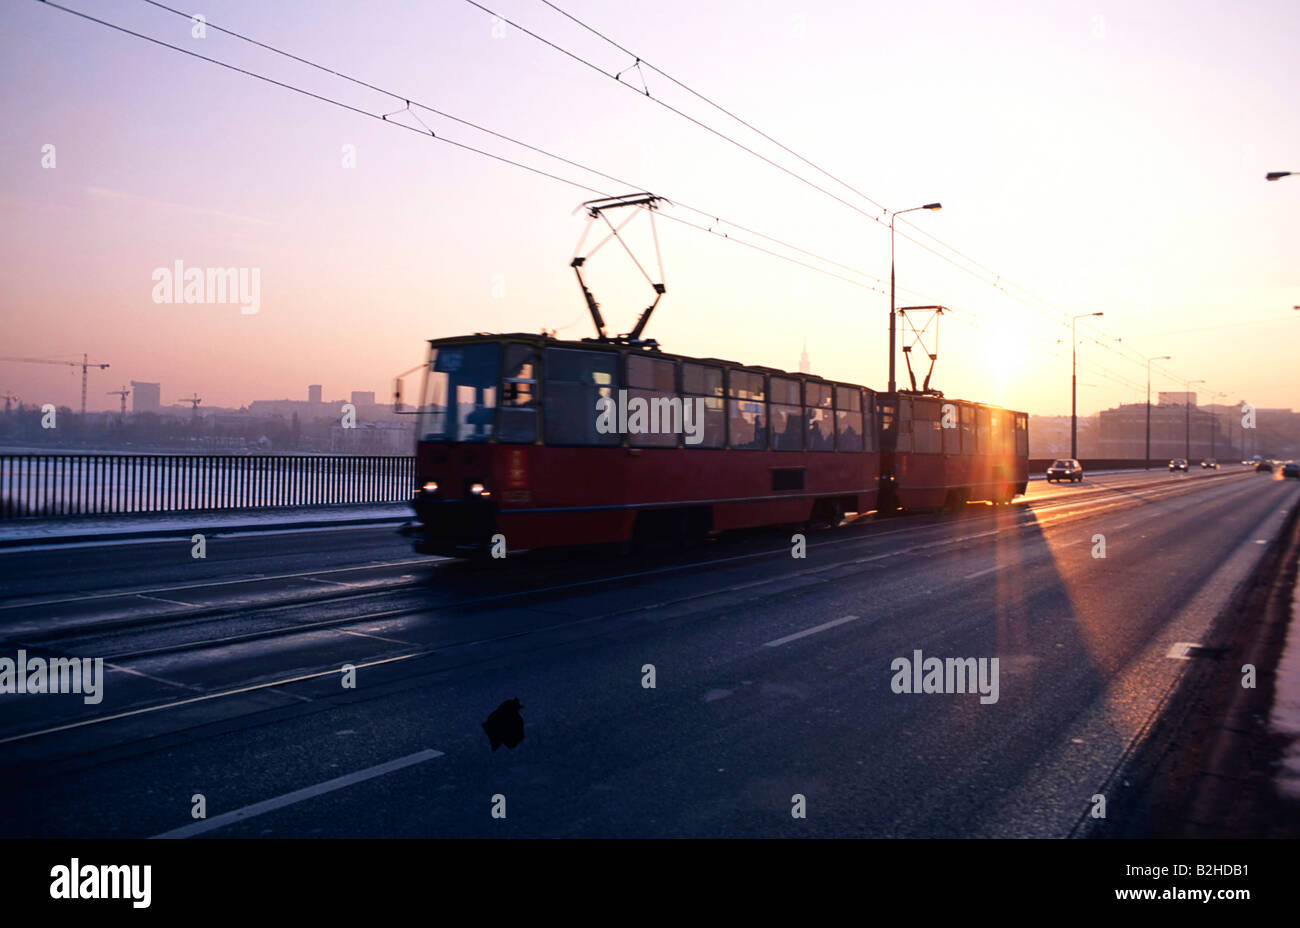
point(46, 485)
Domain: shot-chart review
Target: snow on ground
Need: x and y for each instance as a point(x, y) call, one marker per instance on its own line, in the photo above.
point(90, 528)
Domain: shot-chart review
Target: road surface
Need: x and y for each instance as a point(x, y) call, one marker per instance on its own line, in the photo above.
point(773, 710)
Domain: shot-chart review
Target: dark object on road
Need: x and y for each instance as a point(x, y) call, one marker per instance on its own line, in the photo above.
point(1178, 464)
point(1291, 469)
point(505, 725)
point(1209, 464)
point(1065, 469)
point(1265, 467)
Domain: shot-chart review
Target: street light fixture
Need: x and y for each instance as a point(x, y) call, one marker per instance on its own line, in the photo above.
point(1074, 385)
point(1187, 401)
point(1278, 175)
point(1163, 357)
point(892, 314)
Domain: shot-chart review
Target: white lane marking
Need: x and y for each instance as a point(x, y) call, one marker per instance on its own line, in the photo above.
point(1180, 650)
point(300, 795)
point(810, 631)
point(333, 582)
point(149, 676)
point(251, 688)
point(199, 586)
point(409, 644)
point(291, 695)
point(159, 599)
point(987, 570)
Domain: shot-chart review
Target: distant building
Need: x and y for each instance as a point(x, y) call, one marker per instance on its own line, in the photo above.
point(363, 398)
point(145, 397)
point(804, 366)
point(1173, 428)
point(313, 393)
point(373, 438)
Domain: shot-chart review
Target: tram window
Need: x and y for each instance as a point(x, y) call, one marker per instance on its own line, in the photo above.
point(1007, 425)
point(787, 415)
point(652, 381)
point(869, 441)
point(746, 411)
point(517, 419)
point(983, 431)
point(652, 373)
point(950, 430)
point(926, 427)
point(848, 418)
point(460, 393)
point(886, 424)
point(997, 432)
point(701, 381)
point(1022, 435)
point(818, 415)
point(967, 422)
point(904, 421)
point(575, 381)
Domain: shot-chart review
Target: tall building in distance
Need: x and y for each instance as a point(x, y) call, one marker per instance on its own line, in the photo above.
point(313, 393)
point(145, 397)
point(804, 366)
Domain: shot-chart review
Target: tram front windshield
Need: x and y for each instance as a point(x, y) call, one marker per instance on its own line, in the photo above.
point(460, 393)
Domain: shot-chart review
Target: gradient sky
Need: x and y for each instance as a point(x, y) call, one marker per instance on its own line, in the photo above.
point(1105, 157)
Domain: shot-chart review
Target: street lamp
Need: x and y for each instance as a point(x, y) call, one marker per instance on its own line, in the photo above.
point(892, 325)
point(1163, 357)
point(1214, 429)
point(1187, 400)
point(1074, 385)
point(1278, 175)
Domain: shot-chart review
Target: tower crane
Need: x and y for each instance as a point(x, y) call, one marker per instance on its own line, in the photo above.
point(84, 363)
point(124, 393)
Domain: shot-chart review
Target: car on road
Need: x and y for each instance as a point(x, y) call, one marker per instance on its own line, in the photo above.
point(1178, 464)
point(1264, 467)
point(1065, 469)
point(1291, 469)
point(1209, 464)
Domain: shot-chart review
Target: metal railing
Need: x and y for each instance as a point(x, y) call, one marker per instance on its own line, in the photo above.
point(45, 485)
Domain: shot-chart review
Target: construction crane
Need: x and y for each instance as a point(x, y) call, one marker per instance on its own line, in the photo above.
point(194, 404)
point(11, 398)
point(84, 363)
point(124, 393)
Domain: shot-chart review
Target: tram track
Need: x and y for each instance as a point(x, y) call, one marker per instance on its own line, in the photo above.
point(1027, 512)
point(1026, 517)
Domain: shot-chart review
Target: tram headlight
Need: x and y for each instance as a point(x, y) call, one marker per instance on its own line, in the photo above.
point(477, 489)
point(430, 486)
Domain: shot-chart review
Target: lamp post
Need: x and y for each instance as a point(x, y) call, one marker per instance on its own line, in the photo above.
point(1163, 357)
point(1214, 428)
point(1187, 400)
point(1278, 175)
point(892, 325)
point(1074, 385)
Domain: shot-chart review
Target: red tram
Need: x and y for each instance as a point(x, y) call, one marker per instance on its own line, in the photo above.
point(548, 442)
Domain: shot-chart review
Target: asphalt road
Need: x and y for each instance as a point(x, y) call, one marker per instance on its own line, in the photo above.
point(772, 674)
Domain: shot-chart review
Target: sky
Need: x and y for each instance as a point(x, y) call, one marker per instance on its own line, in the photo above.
point(1089, 158)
